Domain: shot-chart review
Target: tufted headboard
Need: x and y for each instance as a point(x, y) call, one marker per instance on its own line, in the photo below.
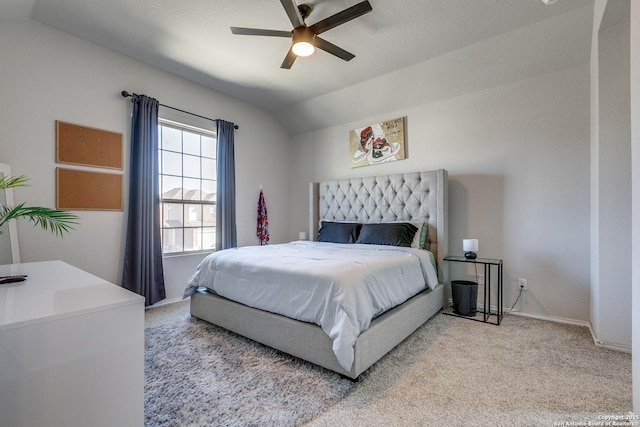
point(416, 196)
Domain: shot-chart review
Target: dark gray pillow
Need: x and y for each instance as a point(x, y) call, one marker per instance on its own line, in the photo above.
point(339, 232)
point(394, 234)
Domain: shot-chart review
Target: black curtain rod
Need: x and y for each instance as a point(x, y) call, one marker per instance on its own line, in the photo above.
point(126, 94)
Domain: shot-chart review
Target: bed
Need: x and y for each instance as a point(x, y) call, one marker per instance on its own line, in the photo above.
point(416, 198)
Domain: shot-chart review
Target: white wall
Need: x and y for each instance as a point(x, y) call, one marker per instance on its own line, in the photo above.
point(48, 75)
point(555, 44)
point(509, 118)
point(518, 162)
point(594, 265)
point(611, 175)
point(635, 180)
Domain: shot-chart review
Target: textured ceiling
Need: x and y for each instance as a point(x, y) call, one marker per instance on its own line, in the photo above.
point(192, 38)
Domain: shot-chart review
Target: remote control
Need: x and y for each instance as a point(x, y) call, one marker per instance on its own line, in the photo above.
point(12, 279)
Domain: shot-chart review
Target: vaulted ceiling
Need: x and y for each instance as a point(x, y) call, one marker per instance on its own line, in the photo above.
point(192, 38)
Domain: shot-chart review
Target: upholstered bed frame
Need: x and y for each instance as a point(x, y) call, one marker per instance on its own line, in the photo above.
point(419, 196)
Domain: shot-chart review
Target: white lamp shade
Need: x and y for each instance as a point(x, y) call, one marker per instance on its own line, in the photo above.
point(470, 245)
point(303, 48)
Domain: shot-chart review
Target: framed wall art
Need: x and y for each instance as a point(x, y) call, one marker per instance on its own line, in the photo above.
point(377, 143)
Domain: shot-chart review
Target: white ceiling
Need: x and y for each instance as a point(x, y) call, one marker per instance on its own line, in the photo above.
point(192, 38)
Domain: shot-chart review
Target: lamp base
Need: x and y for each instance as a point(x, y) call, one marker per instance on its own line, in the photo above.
point(470, 255)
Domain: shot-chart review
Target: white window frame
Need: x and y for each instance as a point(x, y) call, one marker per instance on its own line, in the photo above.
point(197, 231)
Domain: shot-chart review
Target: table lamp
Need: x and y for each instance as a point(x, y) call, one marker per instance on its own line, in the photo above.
point(470, 246)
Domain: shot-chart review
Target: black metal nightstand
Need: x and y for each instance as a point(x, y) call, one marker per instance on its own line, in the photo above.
point(486, 312)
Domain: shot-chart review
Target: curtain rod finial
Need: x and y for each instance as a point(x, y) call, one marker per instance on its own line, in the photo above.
point(125, 93)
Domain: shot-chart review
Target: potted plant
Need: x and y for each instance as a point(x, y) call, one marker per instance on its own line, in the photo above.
point(58, 221)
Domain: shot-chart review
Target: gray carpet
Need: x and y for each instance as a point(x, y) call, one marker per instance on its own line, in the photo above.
point(451, 372)
point(197, 374)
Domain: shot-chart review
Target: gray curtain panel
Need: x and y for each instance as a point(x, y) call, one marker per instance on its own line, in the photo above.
point(143, 273)
point(226, 236)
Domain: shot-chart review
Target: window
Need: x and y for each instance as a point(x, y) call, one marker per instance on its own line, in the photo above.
point(187, 188)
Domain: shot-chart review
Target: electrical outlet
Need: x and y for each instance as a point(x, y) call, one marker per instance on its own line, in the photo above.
point(480, 279)
point(522, 284)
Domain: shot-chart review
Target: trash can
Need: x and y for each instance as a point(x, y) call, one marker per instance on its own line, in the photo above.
point(464, 295)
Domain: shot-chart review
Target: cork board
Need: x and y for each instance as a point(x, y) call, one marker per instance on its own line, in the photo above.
point(81, 190)
point(81, 145)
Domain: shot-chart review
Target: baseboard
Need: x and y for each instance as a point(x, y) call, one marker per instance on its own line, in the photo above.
point(165, 302)
point(596, 341)
point(550, 318)
point(609, 346)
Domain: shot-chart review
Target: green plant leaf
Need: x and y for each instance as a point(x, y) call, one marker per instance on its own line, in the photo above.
point(58, 221)
point(11, 182)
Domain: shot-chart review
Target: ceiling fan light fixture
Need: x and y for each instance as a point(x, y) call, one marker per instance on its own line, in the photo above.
point(303, 48)
point(303, 41)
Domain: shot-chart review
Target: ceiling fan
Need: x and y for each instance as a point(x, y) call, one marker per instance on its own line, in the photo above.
point(305, 39)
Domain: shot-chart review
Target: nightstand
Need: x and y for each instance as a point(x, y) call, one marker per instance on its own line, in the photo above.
point(486, 312)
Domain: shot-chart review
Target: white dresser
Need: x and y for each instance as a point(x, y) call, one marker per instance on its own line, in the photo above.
point(71, 349)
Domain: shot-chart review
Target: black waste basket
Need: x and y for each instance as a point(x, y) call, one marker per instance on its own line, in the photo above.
point(464, 295)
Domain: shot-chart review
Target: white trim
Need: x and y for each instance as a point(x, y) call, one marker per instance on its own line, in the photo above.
point(5, 170)
point(609, 346)
point(185, 126)
point(597, 342)
point(549, 318)
point(165, 302)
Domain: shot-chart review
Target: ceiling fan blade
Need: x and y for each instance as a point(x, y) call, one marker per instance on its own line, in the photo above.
point(333, 49)
point(292, 11)
point(259, 32)
point(288, 60)
point(339, 18)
